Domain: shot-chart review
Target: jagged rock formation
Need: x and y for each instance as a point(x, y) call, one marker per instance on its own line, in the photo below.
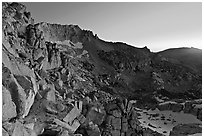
point(62, 80)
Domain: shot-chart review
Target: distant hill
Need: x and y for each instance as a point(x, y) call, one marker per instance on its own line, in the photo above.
point(189, 57)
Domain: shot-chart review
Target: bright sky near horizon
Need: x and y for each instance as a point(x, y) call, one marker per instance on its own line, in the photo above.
point(157, 25)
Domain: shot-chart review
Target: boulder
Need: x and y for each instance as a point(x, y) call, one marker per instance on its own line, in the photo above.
point(23, 98)
point(21, 85)
point(75, 112)
point(8, 106)
point(71, 128)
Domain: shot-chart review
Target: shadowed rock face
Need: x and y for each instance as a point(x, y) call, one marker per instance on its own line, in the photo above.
point(62, 80)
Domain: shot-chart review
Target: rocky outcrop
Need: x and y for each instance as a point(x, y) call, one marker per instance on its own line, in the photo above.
point(19, 80)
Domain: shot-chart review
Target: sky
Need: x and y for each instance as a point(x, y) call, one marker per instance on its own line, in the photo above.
point(157, 25)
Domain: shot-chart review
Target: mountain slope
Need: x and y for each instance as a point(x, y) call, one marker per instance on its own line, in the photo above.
point(63, 80)
point(189, 57)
